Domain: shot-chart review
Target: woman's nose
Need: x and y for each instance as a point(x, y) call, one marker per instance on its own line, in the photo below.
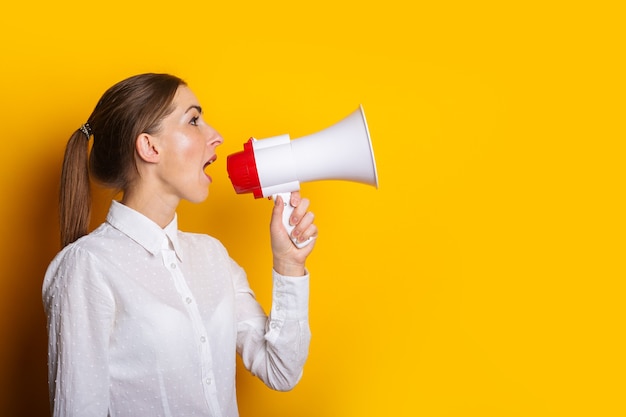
point(214, 138)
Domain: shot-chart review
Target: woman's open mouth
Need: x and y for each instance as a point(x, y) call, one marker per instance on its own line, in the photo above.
point(206, 165)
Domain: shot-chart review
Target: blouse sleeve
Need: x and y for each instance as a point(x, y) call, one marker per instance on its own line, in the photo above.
point(274, 348)
point(79, 309)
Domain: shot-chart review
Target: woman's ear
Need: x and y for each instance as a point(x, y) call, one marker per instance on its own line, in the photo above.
point(147, 148)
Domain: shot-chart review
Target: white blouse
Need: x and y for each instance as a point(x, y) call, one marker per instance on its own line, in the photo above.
point(145, 321)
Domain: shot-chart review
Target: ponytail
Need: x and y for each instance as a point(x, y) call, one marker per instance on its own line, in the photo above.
point(75, 193)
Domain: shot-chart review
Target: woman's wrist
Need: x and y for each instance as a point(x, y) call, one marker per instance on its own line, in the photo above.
point(289, 269)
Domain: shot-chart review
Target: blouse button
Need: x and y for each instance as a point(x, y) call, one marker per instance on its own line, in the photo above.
point(188, 300)
point(203, 339)
point(208, 381)
point(173, 265)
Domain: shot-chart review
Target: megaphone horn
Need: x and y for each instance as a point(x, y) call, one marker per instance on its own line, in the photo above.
point(277, 165)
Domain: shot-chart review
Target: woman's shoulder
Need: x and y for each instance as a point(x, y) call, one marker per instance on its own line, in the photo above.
point(77, 264)
point(86, 251)
point(84, 247)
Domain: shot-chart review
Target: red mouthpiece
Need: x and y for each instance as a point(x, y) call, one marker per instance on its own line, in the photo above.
point(241, 167)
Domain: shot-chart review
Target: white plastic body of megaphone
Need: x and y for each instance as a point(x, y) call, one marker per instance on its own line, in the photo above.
point(277, 165)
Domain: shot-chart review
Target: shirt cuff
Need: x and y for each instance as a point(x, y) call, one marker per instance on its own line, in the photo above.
point(290, 297)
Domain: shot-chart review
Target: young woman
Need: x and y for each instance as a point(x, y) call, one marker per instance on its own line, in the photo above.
point(144, 319)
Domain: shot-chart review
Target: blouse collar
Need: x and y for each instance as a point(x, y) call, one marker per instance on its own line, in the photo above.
point(143, 230)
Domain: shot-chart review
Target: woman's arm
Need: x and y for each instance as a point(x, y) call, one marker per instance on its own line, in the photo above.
point(80, 313)
point(275, 348)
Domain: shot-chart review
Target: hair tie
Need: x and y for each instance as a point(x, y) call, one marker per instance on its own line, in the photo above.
point(86, 129)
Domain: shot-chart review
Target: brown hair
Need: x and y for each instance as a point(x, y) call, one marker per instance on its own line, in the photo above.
point(133, 106)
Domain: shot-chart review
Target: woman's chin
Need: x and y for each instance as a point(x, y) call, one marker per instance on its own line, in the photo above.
point(199, 196)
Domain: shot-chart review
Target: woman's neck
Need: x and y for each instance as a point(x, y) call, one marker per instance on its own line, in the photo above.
point(152, 205)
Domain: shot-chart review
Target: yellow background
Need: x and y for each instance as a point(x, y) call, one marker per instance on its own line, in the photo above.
point(483, 278)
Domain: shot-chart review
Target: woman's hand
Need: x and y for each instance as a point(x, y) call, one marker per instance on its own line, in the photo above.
point(289, 260)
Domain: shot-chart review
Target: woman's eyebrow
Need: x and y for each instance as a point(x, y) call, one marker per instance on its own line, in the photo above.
point(194, 107)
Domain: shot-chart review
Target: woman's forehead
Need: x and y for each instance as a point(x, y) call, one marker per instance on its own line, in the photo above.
point(184, 97)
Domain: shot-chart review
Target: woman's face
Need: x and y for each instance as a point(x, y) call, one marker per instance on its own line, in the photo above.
point(187, 146)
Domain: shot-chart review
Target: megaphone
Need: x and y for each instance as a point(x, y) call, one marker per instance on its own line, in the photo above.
point(277, 165)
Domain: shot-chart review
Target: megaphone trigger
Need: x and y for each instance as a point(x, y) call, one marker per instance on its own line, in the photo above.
point(287, 211)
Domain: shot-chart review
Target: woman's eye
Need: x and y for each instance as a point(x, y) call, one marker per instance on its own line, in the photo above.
point(194, 121)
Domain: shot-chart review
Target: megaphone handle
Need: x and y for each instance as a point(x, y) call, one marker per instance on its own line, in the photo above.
point(287, 210)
